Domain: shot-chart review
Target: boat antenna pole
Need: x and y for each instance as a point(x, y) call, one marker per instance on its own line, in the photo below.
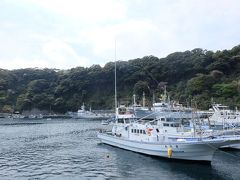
point(115, 55)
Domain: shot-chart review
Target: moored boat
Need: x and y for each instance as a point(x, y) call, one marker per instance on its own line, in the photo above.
point(164, 139)
point(223, 116)
point(84, 114)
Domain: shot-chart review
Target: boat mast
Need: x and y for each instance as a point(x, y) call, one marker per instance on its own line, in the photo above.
point(115, 55)
point(165, 94)
point(134, 100)
point(143, 99)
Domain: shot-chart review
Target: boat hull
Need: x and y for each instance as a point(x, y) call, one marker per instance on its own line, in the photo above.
point(235, 146)
point(232, 146)
point(198, 151)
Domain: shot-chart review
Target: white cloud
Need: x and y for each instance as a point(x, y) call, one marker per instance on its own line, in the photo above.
point(53, 53)
point(70, 33)
point(86, 10)
point(131, 37)
point(62, 55)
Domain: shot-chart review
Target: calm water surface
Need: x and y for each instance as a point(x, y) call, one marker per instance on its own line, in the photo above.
point(69, 149)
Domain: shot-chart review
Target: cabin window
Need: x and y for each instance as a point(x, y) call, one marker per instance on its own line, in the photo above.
point(127, 121)
point(144, 132)
point(137, 130)
point(121, 110)
point(165, 124)
point(162, 119)
point(120, 121)
point(132, 130)
point(141, 131)
point(169, 119)
point(174, 125)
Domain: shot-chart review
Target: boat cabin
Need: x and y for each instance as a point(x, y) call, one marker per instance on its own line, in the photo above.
point(124, 113)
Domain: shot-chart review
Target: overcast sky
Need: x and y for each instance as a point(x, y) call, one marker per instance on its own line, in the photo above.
point(69, 33)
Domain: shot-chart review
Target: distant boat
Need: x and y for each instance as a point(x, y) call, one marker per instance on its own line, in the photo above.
point(166, 107)
point(226, 119)
point(163, 107)
point(141, 111)
point(84, 114)
point(108, 121)
point(223, 116)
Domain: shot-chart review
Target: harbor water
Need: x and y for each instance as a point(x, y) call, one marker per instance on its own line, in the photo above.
point(69, 149)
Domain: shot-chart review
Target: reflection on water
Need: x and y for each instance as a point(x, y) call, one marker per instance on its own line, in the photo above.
point(69, 149)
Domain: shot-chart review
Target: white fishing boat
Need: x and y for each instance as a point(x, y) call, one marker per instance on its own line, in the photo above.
point(84, 114)
point(226, 119)
point(164, 107)
point(163, 139)
point(197, 128)
point(108, 121)
point(223, 116)
point(231, 132)
point(141, 110)
point(161, 108)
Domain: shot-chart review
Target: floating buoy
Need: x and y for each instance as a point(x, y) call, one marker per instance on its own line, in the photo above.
point(169, 151)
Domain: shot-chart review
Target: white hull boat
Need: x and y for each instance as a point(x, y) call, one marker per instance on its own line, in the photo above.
point(164, 139)
point(83, 114)
point(235, 146)
point(232, 146)
point(194, 150)
point(227, 119)
point(197, 151)
point(223, 116)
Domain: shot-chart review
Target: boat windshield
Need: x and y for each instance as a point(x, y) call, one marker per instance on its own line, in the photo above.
point(223, 107)
point(127, 121)
point(171, 119)
point(175, 125)
point(171, 124)
point(123, 111)
point(120, 121)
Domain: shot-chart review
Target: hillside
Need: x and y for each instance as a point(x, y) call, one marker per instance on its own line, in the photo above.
point(197, 75)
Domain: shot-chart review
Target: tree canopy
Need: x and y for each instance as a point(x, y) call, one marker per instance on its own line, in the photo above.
point(198, 74)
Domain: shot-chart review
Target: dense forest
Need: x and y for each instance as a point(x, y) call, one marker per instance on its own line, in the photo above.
point(198, 75)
